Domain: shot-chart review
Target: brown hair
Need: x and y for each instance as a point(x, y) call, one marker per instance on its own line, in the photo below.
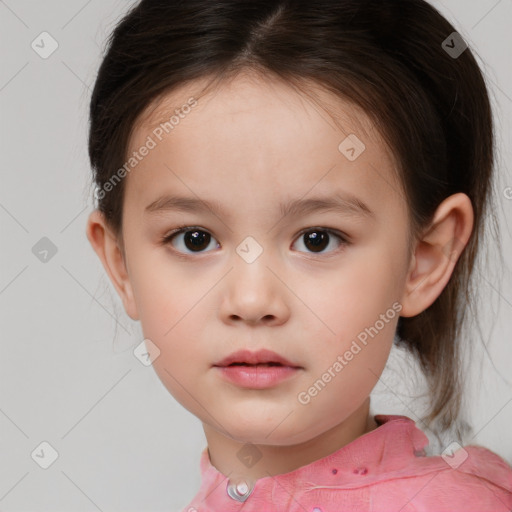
point(431, 107)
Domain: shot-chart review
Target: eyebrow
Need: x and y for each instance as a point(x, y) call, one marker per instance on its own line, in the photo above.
point(341, 203)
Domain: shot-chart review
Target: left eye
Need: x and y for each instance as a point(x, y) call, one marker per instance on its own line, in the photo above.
point(317, 239)
point(197, 240)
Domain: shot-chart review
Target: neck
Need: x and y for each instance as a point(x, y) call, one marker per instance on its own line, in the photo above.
point(279, 459)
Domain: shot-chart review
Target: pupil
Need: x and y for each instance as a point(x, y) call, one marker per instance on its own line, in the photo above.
point(317, 240)
point(197, 240)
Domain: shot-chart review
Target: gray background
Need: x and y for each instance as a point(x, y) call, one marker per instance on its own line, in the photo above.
point(68, 375)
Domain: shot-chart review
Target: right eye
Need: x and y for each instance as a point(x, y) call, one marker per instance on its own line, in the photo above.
point(195, 239)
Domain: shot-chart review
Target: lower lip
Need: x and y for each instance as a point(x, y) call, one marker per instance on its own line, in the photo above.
point(257, 377)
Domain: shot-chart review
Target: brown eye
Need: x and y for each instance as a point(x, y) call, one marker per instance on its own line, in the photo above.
point(197, 240)
point(194, 240)
point(316, 240)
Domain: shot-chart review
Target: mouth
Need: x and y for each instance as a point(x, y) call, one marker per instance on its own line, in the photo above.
point(258, 364)
point(261, 358)
point(260, 375)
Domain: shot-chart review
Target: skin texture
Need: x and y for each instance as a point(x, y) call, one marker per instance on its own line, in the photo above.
point(251, 145)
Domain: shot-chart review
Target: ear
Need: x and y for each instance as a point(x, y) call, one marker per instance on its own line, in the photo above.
point(107, 247)
point(436, 254)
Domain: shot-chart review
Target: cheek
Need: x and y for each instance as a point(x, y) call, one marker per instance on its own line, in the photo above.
point(356, 315)
point(352, 298)
point(171, 316)
point(167, 293)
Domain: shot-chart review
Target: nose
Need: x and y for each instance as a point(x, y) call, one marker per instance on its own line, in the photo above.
point(254, 293)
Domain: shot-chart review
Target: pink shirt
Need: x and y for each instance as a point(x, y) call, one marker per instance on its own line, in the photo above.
point(383, 470)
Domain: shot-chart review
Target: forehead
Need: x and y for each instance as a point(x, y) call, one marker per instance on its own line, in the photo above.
point(253, 132)
point(249, 90)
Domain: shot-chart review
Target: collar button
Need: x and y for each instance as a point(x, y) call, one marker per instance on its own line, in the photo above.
point(238, 491)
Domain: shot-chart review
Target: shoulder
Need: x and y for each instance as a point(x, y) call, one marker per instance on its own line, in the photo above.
point(473, 478)
point(470, 478)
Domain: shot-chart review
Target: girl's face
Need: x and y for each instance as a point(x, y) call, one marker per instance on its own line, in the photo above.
point(321, 287)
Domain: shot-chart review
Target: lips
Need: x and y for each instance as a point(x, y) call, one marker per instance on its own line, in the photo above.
point(259, 364)
point(262, 357)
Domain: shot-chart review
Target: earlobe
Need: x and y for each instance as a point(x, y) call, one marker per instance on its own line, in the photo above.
point(106, 246)
point(436, 254)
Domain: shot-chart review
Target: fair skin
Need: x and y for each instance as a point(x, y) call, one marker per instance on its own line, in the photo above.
point(250, 146)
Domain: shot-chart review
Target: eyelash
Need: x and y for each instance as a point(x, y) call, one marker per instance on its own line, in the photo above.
point(165, 240)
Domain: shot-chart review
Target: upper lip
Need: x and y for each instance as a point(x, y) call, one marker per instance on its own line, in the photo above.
point(261, 356)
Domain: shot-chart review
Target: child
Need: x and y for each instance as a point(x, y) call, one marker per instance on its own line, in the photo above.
point(285, 188)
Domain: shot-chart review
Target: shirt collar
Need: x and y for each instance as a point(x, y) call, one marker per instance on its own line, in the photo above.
point(376, 454)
